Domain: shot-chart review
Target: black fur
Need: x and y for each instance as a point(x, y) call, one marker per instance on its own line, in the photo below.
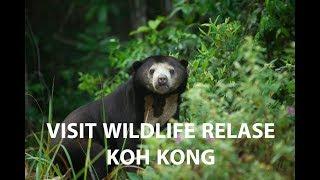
point(124, 105)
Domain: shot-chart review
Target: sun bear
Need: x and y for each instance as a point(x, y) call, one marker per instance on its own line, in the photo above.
point(151, 95)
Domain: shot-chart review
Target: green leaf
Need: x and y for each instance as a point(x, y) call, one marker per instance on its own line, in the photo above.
point(153, 24)
point(133, 176)
point(141, 29)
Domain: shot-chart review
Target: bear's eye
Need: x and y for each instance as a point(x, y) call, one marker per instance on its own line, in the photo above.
point(171, 71)
point(151, 71)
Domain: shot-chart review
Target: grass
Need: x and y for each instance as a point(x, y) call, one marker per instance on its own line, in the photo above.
point(39, 155)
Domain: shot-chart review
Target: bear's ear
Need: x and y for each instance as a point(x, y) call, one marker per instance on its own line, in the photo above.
point(184, 63)
point(135, 66)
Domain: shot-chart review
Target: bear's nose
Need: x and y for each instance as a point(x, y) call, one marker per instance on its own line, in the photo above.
point(162, 80)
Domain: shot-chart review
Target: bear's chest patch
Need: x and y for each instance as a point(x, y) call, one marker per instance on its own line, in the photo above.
point(160, 110)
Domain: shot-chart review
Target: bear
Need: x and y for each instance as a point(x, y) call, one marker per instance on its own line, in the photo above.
point(152, 94)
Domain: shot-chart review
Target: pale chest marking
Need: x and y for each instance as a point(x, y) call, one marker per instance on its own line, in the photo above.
point(169, 109)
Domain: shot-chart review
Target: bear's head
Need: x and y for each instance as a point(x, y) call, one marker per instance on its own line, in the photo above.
point(160, 74)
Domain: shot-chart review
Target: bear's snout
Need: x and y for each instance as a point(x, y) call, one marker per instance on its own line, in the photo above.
point(162, 80)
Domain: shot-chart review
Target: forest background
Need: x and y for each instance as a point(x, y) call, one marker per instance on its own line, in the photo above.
point(241, 56)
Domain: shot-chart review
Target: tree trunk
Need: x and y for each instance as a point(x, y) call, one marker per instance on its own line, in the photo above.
point(137, 14)
point(167, 6)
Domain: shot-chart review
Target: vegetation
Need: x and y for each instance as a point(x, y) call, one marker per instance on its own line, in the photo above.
point(241, 58)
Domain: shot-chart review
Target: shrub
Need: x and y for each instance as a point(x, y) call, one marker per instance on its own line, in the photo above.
point(241, 64)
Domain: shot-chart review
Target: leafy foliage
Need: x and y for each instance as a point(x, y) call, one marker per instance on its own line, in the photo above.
point(241, 64)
